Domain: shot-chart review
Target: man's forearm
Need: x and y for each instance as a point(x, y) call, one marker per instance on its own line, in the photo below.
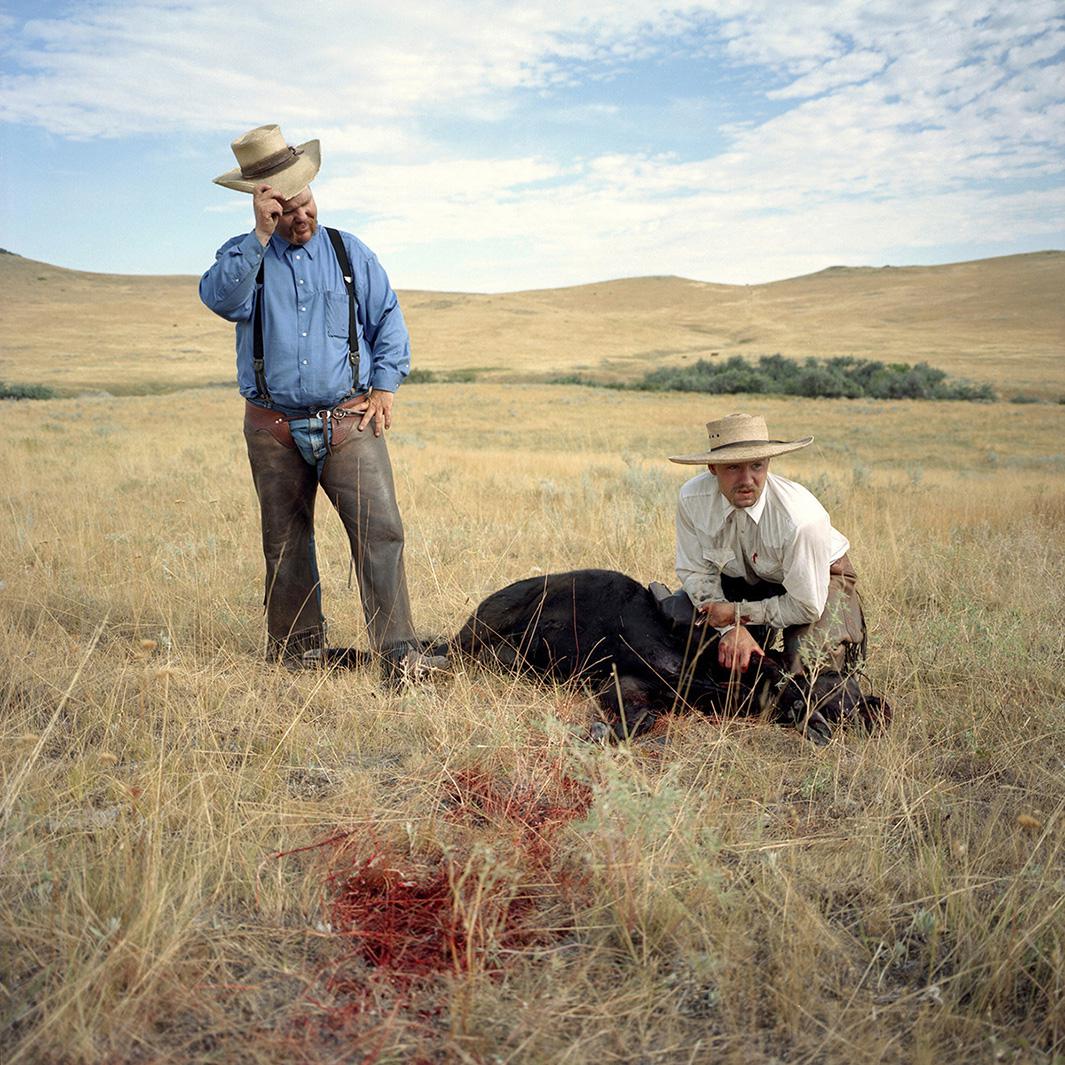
point(720, 615)
point(228, 286)
point(779, 612)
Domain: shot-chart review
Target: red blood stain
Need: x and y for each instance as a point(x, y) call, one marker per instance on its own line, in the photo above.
point(407, 924)
point(529, 813)
point(400, 920)
point(410, 921)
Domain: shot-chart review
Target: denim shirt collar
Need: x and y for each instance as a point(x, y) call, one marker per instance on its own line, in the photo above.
point(281, 247)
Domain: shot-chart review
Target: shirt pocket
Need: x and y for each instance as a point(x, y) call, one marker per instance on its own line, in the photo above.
point(336, 314)
point(719, 557)
point(769, 563)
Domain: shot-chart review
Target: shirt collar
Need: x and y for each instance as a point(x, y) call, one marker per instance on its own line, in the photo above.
point(754, 512)
point(283, 249)
point(721, 509)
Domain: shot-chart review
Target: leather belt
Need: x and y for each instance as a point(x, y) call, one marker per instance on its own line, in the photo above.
point(337, 421)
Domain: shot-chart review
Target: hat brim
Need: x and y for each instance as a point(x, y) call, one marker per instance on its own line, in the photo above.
point(746, 452)
point(286, 183)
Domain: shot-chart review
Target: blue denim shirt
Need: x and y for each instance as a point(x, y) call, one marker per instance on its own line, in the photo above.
point(305, 319)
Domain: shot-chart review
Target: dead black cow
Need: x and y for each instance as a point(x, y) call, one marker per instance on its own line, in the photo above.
point(605, 629)
point(597, 626)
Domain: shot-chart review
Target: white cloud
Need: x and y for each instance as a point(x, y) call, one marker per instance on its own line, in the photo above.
point(888, 124)
point(855, 66)
point(1042, 47)
point(612, 216)
point(122, 69)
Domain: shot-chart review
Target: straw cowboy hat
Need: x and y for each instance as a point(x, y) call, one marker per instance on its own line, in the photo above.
point(740, 438)
point(265, 159)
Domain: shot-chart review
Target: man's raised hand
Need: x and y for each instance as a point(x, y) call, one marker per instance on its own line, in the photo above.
point(267, 212)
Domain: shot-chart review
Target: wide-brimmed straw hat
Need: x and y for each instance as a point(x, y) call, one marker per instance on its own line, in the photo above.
point(740, 438)
point(266, 159)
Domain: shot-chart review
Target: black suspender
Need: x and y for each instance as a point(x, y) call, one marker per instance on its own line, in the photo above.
point(258, 362)
point(257, 343)
point(349, 283)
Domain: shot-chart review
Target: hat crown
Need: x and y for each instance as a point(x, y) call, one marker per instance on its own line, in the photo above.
point(740, 438)
point(265, 157)
point(737, 429)
point(263, 142)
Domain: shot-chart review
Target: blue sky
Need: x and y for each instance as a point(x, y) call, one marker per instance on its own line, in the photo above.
point(486, 146)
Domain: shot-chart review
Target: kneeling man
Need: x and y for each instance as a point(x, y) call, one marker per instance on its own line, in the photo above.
point(757, 554)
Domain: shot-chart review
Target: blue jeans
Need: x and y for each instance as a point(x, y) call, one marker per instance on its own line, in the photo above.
point(310, 435)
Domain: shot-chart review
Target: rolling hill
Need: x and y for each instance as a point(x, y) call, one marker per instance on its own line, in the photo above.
point(998, 320)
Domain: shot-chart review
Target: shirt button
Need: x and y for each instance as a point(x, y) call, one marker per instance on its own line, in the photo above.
point(303, 308)
point(297, 258)
point(303, 334)
point(304, 361)
point(300, 282)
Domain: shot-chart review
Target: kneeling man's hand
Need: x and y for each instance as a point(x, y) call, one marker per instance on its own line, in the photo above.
point(735, 648)
point(717, 614)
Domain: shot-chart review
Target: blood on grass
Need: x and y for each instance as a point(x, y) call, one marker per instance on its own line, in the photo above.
point(405, 923)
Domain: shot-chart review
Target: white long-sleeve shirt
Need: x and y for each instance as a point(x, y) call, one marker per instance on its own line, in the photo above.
point(786, 536)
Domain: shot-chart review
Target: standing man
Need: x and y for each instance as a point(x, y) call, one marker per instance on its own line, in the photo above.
point(758, 553)
point(321, 350)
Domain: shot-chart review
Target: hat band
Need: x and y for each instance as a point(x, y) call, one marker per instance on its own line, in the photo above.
point(748, 443)
point(271, 164)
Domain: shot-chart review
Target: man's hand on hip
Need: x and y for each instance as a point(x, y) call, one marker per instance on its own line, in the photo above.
point(267, 207)
point(735, 648)
point(376, 409)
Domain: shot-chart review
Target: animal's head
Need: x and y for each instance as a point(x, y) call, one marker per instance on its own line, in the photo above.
point(815, 704)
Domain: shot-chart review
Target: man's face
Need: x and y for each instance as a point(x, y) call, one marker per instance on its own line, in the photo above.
point(741, 483)
point(299, 218)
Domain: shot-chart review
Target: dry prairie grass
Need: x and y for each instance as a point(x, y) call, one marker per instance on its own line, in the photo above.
point(714, 893)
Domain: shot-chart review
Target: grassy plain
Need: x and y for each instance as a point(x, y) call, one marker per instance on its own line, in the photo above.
point(716, 892)
point(999, 321)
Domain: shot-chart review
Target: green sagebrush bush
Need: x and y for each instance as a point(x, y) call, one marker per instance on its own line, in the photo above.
point(418, 376)
point(843, 377)
point(26, 391)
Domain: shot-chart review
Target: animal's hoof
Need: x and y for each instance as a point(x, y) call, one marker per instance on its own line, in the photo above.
point(312, 658)
point(413, 667)
point(816, 729)
point(659, 591)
